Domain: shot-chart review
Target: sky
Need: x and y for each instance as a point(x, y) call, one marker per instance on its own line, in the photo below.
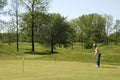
point(75, 8)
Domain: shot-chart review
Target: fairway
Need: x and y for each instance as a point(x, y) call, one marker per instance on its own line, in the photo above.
point(56, 70)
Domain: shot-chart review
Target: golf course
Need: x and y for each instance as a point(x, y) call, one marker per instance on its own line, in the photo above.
point(64, 64)
point(59, 40)
point(59, 70)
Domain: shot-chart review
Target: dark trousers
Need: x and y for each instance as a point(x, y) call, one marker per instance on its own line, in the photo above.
point(98, 60)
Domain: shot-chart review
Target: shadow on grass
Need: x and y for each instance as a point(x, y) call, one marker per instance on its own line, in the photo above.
point(41, 53)
point(109, 67)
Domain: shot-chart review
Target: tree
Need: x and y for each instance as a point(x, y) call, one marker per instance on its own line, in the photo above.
point(98, 24)
point(75, 30)
point(2, 3)
point(50, 29)
point(117, 30)
point(7, 31)
point(14, 11)
point(109, 22)
point(41, 22)
point(34, 6)
point(91, 28)
point(1, 28)
point(11, 32)
point(58, 31)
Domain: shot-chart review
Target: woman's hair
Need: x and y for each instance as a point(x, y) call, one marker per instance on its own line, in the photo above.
point(94, 45)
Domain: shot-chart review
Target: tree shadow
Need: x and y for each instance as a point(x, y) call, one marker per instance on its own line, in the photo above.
point(41, 53)
point(109, 67)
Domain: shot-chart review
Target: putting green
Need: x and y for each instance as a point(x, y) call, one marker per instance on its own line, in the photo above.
point(59, 70)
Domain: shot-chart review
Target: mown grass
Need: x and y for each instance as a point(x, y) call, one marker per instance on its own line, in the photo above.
point(59, 70)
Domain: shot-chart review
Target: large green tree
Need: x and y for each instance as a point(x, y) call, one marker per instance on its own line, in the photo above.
point(59, 31)
point(116, 35)
point(108, 28)
point(40, 23)
point(91, 28)
point(50, 29)
point(74, 33)
point(34, 6)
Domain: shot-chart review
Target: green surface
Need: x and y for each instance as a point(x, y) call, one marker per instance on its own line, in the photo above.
point(110, 53)
point(56, 70)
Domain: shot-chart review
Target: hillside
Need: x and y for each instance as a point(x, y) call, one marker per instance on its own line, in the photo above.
point(110, 53)
point(7, 52)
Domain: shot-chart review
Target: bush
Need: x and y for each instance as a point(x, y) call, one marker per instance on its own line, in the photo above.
point(88, 45)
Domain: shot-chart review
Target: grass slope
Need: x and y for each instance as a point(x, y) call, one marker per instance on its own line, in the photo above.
point(110, 53)
point(7, 52)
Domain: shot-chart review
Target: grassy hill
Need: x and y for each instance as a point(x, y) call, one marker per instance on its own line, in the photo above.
point(110, 53)
point(7, 52)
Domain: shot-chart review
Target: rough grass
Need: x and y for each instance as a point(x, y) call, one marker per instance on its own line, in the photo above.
point(56, 70)
point(110, 53)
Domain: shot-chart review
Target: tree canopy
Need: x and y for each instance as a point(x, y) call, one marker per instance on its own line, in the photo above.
point(2, 3)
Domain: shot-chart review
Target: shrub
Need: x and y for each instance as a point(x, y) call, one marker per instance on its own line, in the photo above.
point(88, 45)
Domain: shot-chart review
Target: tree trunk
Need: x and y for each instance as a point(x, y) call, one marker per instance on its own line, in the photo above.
point(32, 22)
point(72, 45)
point(1, 36)
point(9, 38)
point(107, 36)
point(52, 45)
point(17, 34)
point(32, 27)
point(17, 37)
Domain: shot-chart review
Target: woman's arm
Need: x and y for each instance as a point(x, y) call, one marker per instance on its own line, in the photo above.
point(96, 51)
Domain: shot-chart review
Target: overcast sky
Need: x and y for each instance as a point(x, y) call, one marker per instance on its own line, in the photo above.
point(75, 8)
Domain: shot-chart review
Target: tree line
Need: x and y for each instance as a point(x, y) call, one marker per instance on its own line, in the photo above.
point(36, 25)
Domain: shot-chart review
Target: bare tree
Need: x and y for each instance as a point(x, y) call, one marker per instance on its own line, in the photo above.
point(13, 12)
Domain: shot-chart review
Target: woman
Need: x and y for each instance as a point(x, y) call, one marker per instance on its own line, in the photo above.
point(97, 54)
